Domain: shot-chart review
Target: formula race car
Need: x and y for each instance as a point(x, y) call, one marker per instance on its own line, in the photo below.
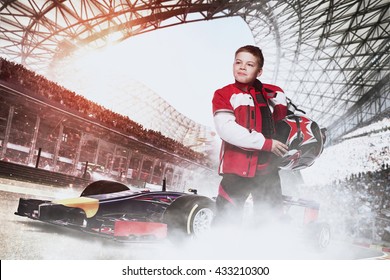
point(111, 209)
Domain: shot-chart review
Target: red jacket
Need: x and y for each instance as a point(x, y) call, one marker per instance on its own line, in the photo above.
point(255, 109)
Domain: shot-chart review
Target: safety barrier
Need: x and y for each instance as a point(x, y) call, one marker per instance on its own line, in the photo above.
point(19, 172)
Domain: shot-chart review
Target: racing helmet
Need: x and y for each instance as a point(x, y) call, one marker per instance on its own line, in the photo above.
point(304, 138)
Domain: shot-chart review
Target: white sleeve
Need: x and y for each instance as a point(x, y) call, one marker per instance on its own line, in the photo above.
point(235, 134)
point(279, 99)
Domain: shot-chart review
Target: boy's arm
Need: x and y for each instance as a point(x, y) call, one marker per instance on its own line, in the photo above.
point(279, 104)
point(237, 135)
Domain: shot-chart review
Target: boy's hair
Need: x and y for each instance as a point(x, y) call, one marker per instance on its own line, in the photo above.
point(255, 51)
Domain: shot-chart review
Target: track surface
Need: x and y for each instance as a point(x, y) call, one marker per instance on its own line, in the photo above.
point(25, 239)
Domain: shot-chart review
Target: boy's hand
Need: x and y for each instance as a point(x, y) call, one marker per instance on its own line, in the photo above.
point(278, 148)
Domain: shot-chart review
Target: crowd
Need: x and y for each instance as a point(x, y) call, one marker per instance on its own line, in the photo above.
point(38, 86)
point(362, 204)
point(368, 196)
point(351, 180)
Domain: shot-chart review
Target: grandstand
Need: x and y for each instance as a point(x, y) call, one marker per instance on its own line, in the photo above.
point(45, 125)
point(156, 114)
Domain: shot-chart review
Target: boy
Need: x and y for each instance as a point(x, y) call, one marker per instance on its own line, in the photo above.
point(244, 117)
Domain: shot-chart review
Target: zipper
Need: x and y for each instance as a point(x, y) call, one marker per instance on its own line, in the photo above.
point(254, 117)
point(255, 104)
point(249, 162)
point(248, 115)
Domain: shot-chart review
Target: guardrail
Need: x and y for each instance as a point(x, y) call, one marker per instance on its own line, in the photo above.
point(30, 174)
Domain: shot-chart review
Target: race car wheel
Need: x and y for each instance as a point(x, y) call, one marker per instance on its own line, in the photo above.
point(103, 187)
point(189, 215)
point(319, 235)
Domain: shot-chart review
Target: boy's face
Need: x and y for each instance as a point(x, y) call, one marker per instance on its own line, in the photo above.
point(246, 68)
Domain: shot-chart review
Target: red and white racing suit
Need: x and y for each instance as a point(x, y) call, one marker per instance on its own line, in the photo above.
point(244, 118)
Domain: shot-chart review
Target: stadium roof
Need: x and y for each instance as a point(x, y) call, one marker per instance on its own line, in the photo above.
point(332, 56)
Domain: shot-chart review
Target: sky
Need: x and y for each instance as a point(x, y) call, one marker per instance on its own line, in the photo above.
point(183, 64)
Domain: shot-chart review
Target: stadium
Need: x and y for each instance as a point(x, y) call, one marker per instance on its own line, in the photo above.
point(334, 59)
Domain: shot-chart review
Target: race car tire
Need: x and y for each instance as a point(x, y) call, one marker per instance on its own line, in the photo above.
point(103, 187)
point(189, 216)
point(319, 235)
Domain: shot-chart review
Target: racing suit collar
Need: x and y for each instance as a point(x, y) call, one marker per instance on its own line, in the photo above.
point(255, 87)
point(243, 87)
